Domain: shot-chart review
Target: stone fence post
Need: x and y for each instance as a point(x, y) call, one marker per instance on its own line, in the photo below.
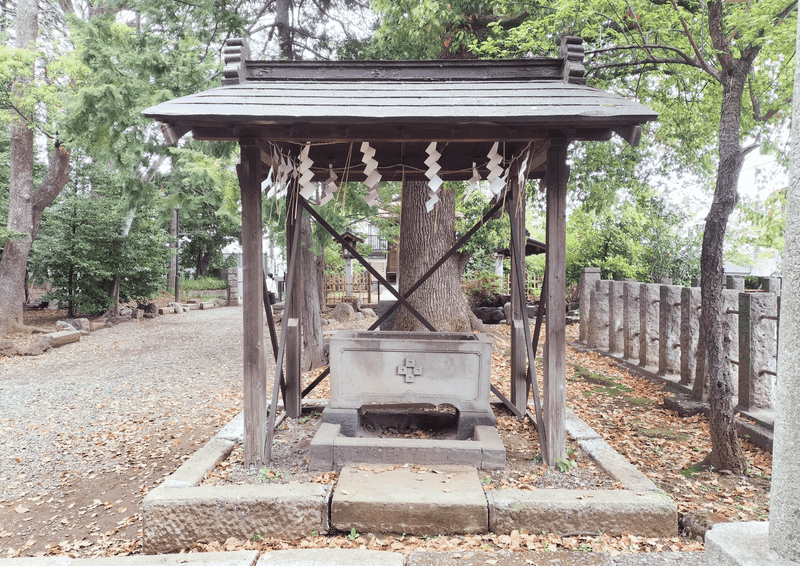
point(669, 330)
point(648, 324)
point(730, 325)
point(616, 338)
point(758, 315)
point(630, 325)
point(690, 331)
point(233, 287)
point(589, 278)
point(598, 322)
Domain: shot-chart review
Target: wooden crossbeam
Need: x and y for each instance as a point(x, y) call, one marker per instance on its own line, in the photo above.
point(273, 408)
point(366, 264)
point(517, 255)
point(463, 240)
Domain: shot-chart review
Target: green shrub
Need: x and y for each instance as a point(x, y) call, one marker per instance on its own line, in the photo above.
point(202, 284)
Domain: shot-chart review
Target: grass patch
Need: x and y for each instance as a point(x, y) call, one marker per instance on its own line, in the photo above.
point(614, 389)
point(665, 433)
point(692, 471)
point(638, 401)
point(202, 284)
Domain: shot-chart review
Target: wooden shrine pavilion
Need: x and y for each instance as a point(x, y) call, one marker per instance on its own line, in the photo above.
point(302, 126)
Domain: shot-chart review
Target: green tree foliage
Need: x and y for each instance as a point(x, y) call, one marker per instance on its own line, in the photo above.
point(202, 185)
point(82, 249)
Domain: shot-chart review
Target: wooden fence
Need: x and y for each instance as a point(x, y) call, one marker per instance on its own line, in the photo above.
point(336, 288)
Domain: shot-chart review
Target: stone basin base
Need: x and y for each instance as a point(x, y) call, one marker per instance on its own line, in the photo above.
point(410, 368)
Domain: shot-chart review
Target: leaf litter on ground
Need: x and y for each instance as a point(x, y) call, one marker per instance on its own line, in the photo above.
point(626, 410)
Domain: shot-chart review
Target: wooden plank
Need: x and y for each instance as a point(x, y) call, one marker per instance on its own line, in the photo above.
point(555, 399)
point(293, 400)
point(452, 70)
point(294, 237)
point(255, 386)
point(519, 311)
point(273, 334)
point(292, 305)
point(343, 131)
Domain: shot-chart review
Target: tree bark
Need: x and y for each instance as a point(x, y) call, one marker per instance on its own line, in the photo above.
point(25, 206)
point(173, 261)
point(313, 347)
point(726, 451)
point(424, 238)
point(283, 23)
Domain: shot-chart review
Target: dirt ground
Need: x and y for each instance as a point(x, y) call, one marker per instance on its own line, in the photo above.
point(92, 509)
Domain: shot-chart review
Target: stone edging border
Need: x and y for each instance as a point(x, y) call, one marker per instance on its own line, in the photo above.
point(180, 511)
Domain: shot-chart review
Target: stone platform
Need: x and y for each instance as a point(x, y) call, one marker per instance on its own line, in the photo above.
point(180, 511)
point(331, 450)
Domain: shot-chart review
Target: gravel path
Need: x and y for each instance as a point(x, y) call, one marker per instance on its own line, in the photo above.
point(90, 428)
point(128, 378)
point(103, 421)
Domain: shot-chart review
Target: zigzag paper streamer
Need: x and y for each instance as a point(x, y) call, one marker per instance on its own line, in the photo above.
point(522, 170)
point(277, 168)
point(307, 188)
point(330, 187)
point(496, 179)
point(371, 172)
point(473, 181)
point(434, 181)
point(432, 200)
point(267, 183)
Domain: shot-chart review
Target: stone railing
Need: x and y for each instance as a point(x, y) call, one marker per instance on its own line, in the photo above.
point(656, 327)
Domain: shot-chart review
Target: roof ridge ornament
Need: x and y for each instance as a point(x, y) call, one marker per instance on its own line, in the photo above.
point(572, 52)
point(235, 52)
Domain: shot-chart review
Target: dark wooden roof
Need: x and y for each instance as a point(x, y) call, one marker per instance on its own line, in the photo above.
point(401, 106)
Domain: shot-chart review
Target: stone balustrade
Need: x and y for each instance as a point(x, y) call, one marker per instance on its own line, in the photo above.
point(656, 326)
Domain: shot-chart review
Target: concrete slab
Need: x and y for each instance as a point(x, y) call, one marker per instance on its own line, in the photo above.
point(64, 337)
point(166, 310)
point(461, 558)
point(421, 501)
point(234, 430)
point(331, 557)
point(207, 305)
point(193, 470)
point(175, 518)
point(493, 451)
point(651, 514)
point(37, 561)
point(742, 544)
point(241, 558)
point(616, 465)
point(347, 451)
point(320, 451)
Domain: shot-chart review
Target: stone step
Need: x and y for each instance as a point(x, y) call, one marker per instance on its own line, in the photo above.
point(434, 500)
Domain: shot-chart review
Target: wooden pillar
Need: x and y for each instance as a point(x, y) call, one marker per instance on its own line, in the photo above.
point(555, 392)
point(519, 307)
point(255, 368)
point(294, 387)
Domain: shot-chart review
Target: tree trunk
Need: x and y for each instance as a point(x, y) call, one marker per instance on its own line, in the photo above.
point(25, 206)
point(313, 348)
point(173, 262)
point(320, 265)
point(424, 238)
point(283, 23)
point(726, 451)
